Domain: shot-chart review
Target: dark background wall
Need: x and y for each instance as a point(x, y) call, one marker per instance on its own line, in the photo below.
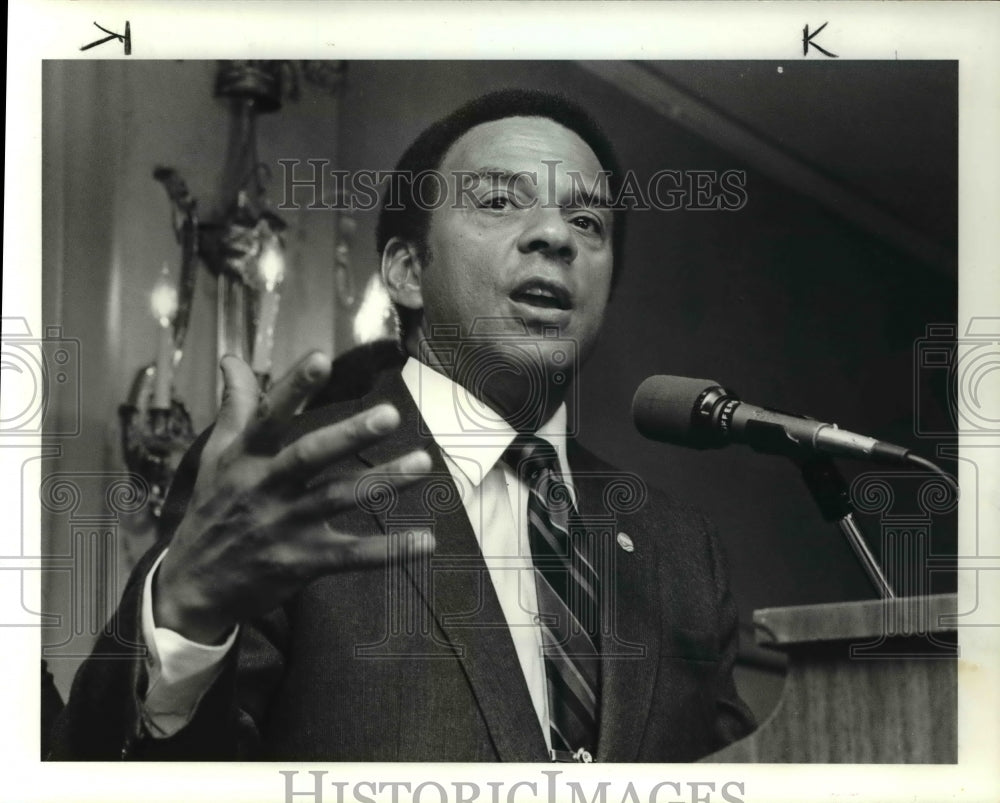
point(784, 300)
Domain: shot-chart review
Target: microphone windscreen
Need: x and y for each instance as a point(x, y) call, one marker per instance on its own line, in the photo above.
point(663, 405)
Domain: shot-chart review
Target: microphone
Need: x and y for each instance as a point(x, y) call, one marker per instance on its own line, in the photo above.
point(701, 414)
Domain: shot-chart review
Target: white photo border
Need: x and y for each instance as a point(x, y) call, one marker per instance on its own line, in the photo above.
point(967, 32)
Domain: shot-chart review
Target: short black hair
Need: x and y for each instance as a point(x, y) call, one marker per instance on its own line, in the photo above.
point(409, 219)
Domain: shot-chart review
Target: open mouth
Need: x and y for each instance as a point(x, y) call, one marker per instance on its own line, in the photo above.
point(543, 294)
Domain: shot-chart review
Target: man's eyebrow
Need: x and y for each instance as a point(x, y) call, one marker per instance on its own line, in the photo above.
point(501, 173)
point(594, 195)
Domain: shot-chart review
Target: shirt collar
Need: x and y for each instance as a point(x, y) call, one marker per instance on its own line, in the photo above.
point(466, 430)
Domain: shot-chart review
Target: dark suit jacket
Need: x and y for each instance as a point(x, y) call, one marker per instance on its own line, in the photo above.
point(416, 662)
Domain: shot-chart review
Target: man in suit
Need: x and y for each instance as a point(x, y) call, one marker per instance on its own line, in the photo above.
point(433, 570)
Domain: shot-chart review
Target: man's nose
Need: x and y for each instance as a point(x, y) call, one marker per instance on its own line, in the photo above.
point(549, 233)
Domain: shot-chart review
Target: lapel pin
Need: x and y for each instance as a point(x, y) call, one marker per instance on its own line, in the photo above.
point(625, 542)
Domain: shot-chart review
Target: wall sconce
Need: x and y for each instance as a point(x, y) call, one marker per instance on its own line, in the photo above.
point(243, 247)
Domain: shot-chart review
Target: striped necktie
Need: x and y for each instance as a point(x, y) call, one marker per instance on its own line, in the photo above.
point(568, 601)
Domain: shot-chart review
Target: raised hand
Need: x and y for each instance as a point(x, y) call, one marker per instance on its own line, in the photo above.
point(256, 530)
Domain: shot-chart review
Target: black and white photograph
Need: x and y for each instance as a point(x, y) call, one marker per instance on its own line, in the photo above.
point(387, 416)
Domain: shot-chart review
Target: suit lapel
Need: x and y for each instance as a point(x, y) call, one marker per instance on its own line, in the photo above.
point(460, 593)
point(630, 642)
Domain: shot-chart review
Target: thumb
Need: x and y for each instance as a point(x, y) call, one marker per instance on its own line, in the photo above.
point(240, 396)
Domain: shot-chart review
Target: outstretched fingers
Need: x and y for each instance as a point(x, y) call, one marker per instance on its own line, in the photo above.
point(348, 552)
point(302, 458)
point(276, 408)
point(370, 490)
point(240, 394)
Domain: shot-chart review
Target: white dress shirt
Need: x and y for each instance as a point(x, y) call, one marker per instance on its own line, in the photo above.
point(472, 439)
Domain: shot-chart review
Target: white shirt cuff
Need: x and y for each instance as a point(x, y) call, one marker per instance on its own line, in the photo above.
point(180, 671)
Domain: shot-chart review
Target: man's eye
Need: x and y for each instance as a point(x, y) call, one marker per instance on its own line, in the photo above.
point(497, 202)
point(587, 223)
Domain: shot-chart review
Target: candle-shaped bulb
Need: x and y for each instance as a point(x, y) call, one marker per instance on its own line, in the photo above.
point(270, 270)
point(164, 300)
point(271, 264)
point(374, 312)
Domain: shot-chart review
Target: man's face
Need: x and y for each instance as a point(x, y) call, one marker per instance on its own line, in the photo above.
point(520, 241)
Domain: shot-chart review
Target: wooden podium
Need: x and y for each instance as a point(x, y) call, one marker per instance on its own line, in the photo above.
point(868, 682)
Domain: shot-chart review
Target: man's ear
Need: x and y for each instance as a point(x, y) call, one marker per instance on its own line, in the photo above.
point(401, 273)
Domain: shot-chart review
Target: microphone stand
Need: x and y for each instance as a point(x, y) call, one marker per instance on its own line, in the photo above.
point(828, 488)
